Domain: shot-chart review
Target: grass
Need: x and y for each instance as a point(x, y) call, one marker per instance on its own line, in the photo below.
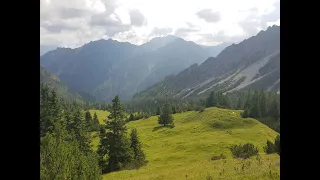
point(185, 151)
point(102, 115)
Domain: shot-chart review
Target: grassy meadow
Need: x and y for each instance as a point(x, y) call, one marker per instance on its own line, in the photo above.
point(185, 151)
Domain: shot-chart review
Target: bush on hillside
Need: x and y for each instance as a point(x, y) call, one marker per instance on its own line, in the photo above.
point(244, 151)
point(277, 144)
point(213, 158)
point(269, 148)
point(201, 109)
point(245, 113)
point(273, 147)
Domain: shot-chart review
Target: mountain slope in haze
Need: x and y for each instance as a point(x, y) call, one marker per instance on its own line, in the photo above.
point(54, 82)
point(254, 63)
point(46, 48)
point(215, 50)
point(61, 88)
point(158, 42)
point(86, 67)
point(106, 68)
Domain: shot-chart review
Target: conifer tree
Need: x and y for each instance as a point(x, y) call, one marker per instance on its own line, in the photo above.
point(211, 100)
point(273, 110)
point(131, 118)
point(88, 117)
point(139, 155)
point(239, 105)
point(95, 118)
point(165, 117)
point(119, 151)
point(50, 110)
point(262, 105)
point(103, 150)
point(277, 144)
point(173, 107)
point(158, 110)
point(80, 130)
point(254, 106)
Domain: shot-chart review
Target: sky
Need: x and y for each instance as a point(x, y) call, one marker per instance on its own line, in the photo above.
point(72, 23)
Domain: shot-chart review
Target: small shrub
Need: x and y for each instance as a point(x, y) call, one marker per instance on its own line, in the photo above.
point(270, 148)
point(201, 109)
point(273, 147)
point(213, 158)
point(277, 145)
point(244, 151)
point(245, 113)
point(209, 178)
point(218, 125)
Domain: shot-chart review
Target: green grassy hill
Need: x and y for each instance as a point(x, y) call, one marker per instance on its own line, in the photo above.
point(102, 115)
point(184, 151)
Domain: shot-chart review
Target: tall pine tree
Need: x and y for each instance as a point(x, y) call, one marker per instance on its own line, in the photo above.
point(139, 155)
point(119, 151)
point(88, 117)
point(158, 110)
point(211, 100)
point(262, 105)
point(81, 130)
point(95, 118)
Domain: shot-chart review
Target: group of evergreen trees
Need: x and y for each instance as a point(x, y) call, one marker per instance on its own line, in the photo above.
point(65, 151)
point(150, 107)
point(263, 106)
point(273, 147)
point(93, 122)
point(116, 151)
point(64, 141)
point(217, 99)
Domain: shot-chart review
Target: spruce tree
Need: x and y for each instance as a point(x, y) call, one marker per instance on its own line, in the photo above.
point(277, 144)
point(173, 107)
point(262, 105)
point(165, 117)
point(95, 118)
point(211, 100)
point(273, 110)
point(103, 150)
point(239, 105)
point(50, 110)
point(139, 155)
point(254, 106)
point(45, 117)
point(119, 151)
point(131, 118)
point(88, 117)
point(158, 110)
point(80, 129)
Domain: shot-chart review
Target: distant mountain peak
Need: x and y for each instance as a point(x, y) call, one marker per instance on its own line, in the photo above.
point(163, 38)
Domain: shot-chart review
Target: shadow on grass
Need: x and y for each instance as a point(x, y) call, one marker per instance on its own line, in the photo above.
point(160, 127)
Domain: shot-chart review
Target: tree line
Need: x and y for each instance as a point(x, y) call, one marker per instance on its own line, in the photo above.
point(65, 150)
point(64, 141)
point(262, 105)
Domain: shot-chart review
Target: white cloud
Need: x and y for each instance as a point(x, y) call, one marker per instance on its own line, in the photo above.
point(208, 15)
point(75, 22)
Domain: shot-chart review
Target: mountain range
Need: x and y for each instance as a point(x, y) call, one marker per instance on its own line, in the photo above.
point(167, 66)
point(106, 68)
point(252, 64)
